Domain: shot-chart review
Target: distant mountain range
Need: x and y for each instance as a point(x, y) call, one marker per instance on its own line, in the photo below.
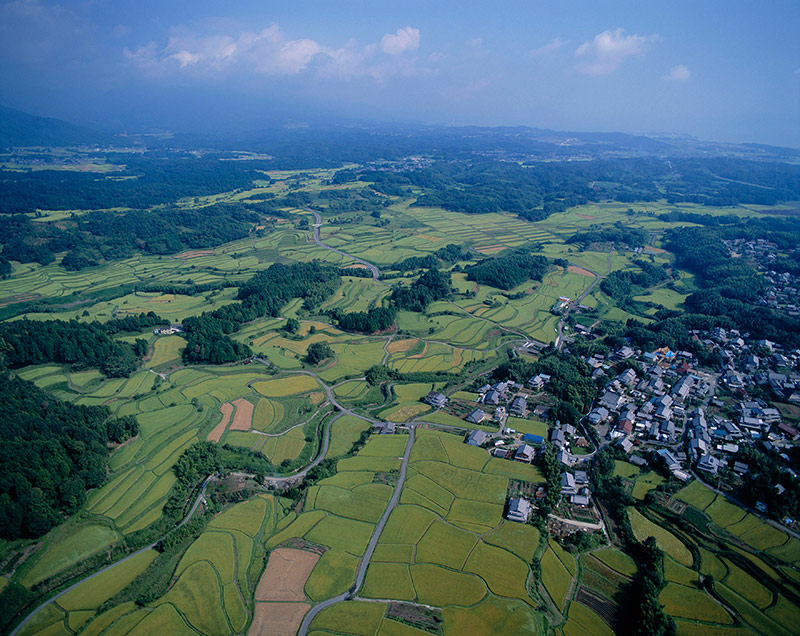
point(392, 140)
point(19, 129)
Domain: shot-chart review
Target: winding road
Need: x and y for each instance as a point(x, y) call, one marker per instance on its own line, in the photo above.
point(186, 519)
point(373, 542)
point(376, 273)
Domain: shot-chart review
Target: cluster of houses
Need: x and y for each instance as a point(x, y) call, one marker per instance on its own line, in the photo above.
point(499, 400)
point(661, 400)
point(783, 290)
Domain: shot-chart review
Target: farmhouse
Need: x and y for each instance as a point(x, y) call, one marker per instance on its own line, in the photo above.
point(525, 453)
point(476, 438)
point(436, 399)
point(519, 510)
point(476, 416)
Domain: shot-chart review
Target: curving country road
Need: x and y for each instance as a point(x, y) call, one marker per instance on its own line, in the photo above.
point(376, 273)
point(579, 300)
point(373, 542)
point(186, 519)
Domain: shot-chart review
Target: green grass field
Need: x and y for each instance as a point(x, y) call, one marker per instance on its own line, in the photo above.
point(555, 577)
point(643, 528)
point(333, 574)
point(66, 546)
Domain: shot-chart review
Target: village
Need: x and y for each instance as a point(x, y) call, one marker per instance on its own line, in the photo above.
point(660, 408)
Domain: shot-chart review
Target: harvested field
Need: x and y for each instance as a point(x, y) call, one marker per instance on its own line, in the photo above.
point(243, 418)
point(226, 410)
point(195, 253)
point(277, 619)
point(574, 269)
point(286, 575)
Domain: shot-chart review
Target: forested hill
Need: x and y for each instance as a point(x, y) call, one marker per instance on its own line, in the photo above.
point(51, 453)
point(24, 342)
point(22, 129)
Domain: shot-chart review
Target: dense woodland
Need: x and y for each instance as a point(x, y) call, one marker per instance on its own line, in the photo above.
point(24, 342)
point(51, 453)
point(91, 238)
point(263, 295)
point(509, 269)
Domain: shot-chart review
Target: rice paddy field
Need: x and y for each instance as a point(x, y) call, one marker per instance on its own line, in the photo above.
point(446, 545)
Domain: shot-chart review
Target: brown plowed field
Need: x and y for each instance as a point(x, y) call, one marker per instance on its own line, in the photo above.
point(401, 345)
point(286, 575)
point(243, 419)
point(579, 270)
point(277, 619)
point(226, 410)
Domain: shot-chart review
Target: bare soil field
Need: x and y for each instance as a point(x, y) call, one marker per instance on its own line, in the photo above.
point(242, 420)
point(579, 270)
point(277, 619)
point(226, 410)
point(401, 345)
point(286, 575)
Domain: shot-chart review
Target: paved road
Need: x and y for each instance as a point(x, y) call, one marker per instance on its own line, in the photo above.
point(376, 273)
point(373, 542)
point(186, 519)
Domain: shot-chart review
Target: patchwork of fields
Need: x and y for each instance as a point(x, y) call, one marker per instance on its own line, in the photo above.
point(258, 566)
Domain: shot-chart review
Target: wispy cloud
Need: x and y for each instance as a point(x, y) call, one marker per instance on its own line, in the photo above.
point(552, 45)
point(608, 50)
point(679, 73)
point(271, 52)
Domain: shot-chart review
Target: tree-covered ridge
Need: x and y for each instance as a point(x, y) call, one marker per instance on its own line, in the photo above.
point(508, 270)
point(431, 286)
point(24, 342)
point(263, 295)
point(51, 453)
point(105, 235)
point(376, 319)
point(141, 182)
point(536, 189)
point(730, 286)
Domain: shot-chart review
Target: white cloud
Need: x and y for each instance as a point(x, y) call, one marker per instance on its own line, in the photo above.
point(552, 45)
point(604, 54)
point(184, 58)
point(271, 52)
point(405, 39)
point(679, 73)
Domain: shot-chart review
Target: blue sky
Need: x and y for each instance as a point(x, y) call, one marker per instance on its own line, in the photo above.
point(721, 70)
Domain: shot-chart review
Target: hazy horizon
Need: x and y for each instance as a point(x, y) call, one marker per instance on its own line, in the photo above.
point(721, 71)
